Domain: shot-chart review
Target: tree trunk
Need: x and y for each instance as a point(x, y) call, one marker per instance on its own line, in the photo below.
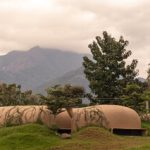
point(147, 106)
point(71, 114)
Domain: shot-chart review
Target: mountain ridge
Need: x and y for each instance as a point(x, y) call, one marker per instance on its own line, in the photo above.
point(33, 67)
point(74, 77)
point(40, 68)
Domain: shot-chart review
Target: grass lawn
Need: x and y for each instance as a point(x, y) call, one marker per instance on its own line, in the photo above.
point(39, 137)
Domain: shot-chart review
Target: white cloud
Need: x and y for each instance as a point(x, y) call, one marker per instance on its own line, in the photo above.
point(72, 24)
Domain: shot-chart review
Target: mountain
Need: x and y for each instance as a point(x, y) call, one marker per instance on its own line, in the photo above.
point(40, 68)
point(36, 66)
point(75, 77)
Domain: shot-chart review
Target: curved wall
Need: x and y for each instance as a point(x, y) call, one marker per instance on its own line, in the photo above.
point(109, 116)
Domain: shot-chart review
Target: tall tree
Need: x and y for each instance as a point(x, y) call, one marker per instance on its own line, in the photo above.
point(60, 97)
point(108, 72)
point(148, 77)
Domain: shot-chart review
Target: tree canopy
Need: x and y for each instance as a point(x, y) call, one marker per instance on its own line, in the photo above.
point(11, 95)
point(59, 97)
point(132, 97)
point(108, 73)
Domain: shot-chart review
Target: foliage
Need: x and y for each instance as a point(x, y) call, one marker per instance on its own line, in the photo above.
point(132, 97)
point(91, 116)
point(148, 77)
point(108, 72)
point(146, 125)
point(59, 97)
point(146, 95)
point(11, 94)
point(12, 119)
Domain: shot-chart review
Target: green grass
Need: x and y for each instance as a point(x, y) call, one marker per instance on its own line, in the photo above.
point(39, 137)
point(31, 137)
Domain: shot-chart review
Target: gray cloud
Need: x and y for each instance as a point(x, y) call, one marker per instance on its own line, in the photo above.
point(72, 25)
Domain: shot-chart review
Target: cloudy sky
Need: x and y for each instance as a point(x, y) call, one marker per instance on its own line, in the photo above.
point(73, 24)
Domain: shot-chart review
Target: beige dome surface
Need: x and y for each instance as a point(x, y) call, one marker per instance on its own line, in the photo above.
point(120, 117)
point(31, 114)
point(109, 116)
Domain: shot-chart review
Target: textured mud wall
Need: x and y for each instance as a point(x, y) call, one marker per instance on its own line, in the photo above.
point(30, 114)
point(109, 116)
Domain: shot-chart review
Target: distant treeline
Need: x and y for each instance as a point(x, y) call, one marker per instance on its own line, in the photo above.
point(11, 94)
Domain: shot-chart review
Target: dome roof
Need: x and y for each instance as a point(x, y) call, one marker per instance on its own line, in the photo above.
point(120, 117)
point(110, 116)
